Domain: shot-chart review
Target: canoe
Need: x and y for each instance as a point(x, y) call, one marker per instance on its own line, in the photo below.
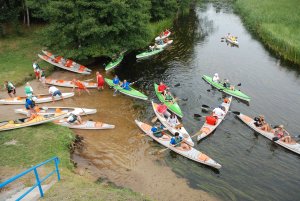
point(53, 110)
point(182, 131)
point(192, 154)
point(41, 98)
point(207, 129)
point(86, 125)
point(234, 42)
point(250, 122)
point(70, 65)
point(163, 37)
point(132, 92)
point(165, 44)
point(114, 64)
point(235, 93)
point(148, 53)
point(20, 123)
point(173, 107)
point(68, 83)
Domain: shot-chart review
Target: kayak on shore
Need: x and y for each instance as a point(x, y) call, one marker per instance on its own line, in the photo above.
point(207, 129)
point(294, 147)
point(52, 110)
point(132, 92)
point(41, 98)
point(114, 64)
point(235, 93)
point(68, 83)
point(192, 154)
point(66, 64)
point(148, 53)
point(87, 125)
point(172, 106)
point(25, 122)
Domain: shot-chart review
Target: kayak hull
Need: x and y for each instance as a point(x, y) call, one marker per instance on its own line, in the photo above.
point(148, 53)
point(68, 83)
point(163, 37)
point(114, 64)
point(53, 110)
point(231, 41)
point(86, 125)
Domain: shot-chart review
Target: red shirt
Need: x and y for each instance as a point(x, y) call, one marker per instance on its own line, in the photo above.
point(161, 108)
point(162, 87)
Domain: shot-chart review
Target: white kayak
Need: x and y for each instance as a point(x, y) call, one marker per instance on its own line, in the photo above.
point(41, 98)
point(25, 122)
point(69, 83)
point(230, 40)
point(163, 37)
point(182, 131)
point(52, 110)
point(88, 125)
point(192, 154)
point(207, 129)
point(295, 147)
point(164, 45)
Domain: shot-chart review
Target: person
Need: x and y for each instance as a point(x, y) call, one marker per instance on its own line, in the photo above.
point(152, 47)
point(11, 89)
point(80, 86)
point(166, 32)
point(219, 112)
point(166, 40)
point(178, 142)
point(261, 123)
point(100, 81)
point(162, 110)
point(157, 130)
point(74, 119)
point(30, 105)
point(126, 85)
point(169, 97)
point(282, 135)
point(162, 88)
point(173, 121)
point(28, 90)
point(216, 78)
point(226, 84)
point(54, 92)
point(43, 77)
point(116, 82)
point(160, 42)
point(36, 69)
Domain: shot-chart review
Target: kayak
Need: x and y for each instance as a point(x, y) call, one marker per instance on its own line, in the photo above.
point(163, 37)
point(207, 129)
point(114, 64)
point(132, 92)
point(24, 122)
point(148, 53)
point(182, 131)
point(52, 110)
point(165, 44)
point(234, 42)
point(69, 65)
point(41, 98)
point(235, 93)
point(250, 122)
point(174, 107)
point(86, 125)
point(68, 83)
point(192, 154)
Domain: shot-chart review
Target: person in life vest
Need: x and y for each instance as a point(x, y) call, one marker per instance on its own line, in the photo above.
point(30, 105)
point(157, 130)
point(169, 97)
point(11, 89)
point(227, 85)
point(54, 92)
point(74, 119)
point(162, 110)
point(282, 135)
point(166, 32)
point(173, 121)
point(162, 88)
point(36, 69)
point(219, 112)
point(100, 81)
point(28, 90)
point(216, 78)
point(80, 86)
point(126, 85)
point(179, 143)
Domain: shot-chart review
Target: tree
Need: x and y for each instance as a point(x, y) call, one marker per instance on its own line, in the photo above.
point(161, 9)
point(9, 12)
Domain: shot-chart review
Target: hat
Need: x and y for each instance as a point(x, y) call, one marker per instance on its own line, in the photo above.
point(216, 74)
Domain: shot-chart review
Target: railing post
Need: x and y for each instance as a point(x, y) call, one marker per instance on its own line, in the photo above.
point(56, 161)
point(38, 182)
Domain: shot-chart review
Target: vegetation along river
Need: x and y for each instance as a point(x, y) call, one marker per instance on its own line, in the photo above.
point(254, 168)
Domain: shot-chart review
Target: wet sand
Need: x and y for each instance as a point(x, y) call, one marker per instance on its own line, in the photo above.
point(122, 155)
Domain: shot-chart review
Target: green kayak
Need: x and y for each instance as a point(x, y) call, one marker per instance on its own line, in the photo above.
point(149, 53)
point(234, 93)
point(114, 64)
point(174, 107)
point(132, 92)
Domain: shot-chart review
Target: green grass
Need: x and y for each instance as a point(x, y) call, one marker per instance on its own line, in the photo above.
point(17, 52)
point(276, 23)
point(157, 27)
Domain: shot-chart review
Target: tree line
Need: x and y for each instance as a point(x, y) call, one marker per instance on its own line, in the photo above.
point(90, 28)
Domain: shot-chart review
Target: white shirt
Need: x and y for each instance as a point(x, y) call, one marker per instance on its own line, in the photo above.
point(172, 121)
point(216, 78)
point(218, 112)
point(52, 89)
point(35, 66)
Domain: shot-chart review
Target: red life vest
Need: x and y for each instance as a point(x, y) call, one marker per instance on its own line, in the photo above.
point(211, 120)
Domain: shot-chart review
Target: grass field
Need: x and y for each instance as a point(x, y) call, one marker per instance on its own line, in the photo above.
point(276, 23)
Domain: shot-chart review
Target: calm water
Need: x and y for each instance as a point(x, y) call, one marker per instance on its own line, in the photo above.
point(253, 167)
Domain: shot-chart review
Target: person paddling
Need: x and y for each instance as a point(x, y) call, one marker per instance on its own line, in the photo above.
point(261, 123)
point(11, 89)
point(169, 97)
point(80, 86)
point(162, 88)
point(282, 135)
point(54, 92)
point(219, 112)
point(216, 78)
point(157, 130)
point(126, 85)
point(179, 143)
point(100, 81)
point(162, 110)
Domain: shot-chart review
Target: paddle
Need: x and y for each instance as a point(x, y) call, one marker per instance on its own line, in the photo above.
point(163, 150)
point(88, 80)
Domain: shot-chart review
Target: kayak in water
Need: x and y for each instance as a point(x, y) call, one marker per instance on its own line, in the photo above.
point(114, 64)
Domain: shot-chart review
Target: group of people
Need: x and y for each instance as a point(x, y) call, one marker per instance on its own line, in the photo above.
point(163, 39)
point(124, 85)
point(225, 83)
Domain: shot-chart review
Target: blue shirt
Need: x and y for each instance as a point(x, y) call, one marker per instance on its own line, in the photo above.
point(29, 104)
point(126, 86)
point(116, 81)
point(174, 141)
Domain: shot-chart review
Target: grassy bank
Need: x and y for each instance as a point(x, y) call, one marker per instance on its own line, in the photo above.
point(276, 23)
point(157, 27)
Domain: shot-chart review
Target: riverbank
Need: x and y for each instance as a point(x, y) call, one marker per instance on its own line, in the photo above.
point(276, 23)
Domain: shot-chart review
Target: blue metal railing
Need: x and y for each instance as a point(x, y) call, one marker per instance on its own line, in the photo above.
point(38, 180)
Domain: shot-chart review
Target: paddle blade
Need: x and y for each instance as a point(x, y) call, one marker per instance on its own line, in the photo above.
point(154, 119)
point(239, 84)
point(185, 99)
point(208, 90)
point(177, 85)
point(205, 106)
point(197, 115)
point(236, 112)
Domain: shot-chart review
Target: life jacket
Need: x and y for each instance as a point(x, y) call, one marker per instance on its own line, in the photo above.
point(72, 118)
point(211, 120)
point(9, 86)
point(28, 90)
point(29, 104)
point(79, 84)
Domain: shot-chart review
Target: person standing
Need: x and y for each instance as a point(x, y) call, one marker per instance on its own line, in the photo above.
point(28, 90)
point(11, 89)
point(100, 81)
point(43, 77)
point(36, 69)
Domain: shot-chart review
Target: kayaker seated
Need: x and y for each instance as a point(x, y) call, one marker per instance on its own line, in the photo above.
point(219, 112)
point(216, 78)
point(261, 123)
point(282, 135)
point(227, 85)
point(160, 42)
point(173, 121)
point(157, 130)
point(178, 142)
point(162, 88)
point(126, 85)
point(168, 97)
point(74, 119)
point(162, 110)
point(166, 32)
point(226, 100)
